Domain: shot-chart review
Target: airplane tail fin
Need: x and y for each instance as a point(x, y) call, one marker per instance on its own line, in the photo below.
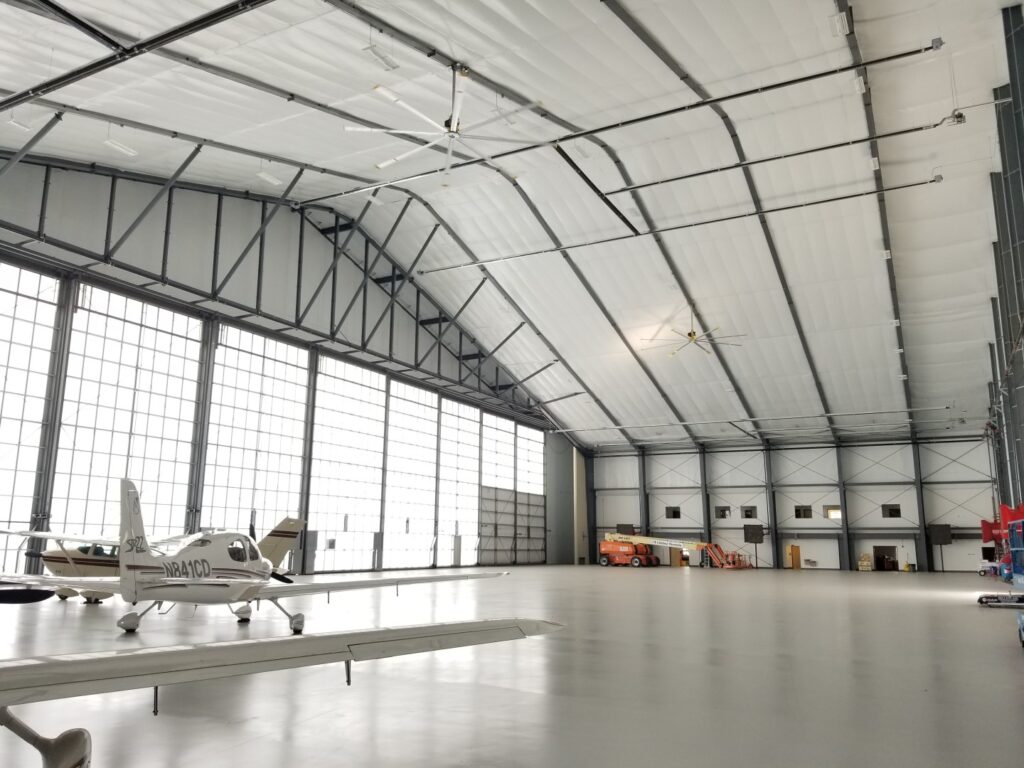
point(276, 544)
point(134, 552)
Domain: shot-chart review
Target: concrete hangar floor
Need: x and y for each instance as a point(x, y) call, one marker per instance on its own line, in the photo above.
point(656, 667)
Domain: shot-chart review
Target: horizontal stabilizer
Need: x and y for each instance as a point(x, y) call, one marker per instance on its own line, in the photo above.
point(45, 678)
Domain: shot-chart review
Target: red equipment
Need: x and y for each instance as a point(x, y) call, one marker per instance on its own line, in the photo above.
point(996, 532)
point(626, 553)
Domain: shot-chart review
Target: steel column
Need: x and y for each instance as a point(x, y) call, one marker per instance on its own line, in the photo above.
point(378, 560)
point(309, 420)
point(705, 498)
point(921, 540)
point(773, 518)
point(201, 425)
point(847, 561)
point(49, 427)
point(645, 502)
point(588, 466)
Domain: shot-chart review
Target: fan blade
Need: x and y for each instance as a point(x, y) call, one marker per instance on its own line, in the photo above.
point(411, 152)
point(448, 159)
point(393, 98)
point(478, 153)
point(501, 116)
point(678, 332)
point(477, 137)
point(393, 131)
point(458, 95)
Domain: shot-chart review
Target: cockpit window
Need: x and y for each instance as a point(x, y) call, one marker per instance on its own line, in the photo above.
point(254, 554)
point(84, 549)
point(236, 550)
point(200, 543)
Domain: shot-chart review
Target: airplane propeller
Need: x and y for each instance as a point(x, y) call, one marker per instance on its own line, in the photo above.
point(280, 577)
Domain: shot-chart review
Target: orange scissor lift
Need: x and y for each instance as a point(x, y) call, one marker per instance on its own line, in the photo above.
point(626, 549)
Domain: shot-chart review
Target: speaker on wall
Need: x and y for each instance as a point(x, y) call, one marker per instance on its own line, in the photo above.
point(753, 534)
point(941, 534)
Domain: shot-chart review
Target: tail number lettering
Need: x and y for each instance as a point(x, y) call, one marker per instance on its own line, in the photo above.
point(196, 569)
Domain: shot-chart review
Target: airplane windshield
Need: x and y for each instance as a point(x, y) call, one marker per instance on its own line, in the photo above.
point(236, 550)
point(200, 543)
point(254, 554)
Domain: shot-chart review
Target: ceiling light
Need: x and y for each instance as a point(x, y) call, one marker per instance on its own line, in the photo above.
point(269, 178)
point(887, 254)
point(383, 57)
point(18, 124)
point(859, 85)
point(875, 165)
point(840, 25)
point(122, 148)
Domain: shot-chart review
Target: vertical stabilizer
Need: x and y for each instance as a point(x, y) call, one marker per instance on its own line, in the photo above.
point(279, 542)
point(134, 553)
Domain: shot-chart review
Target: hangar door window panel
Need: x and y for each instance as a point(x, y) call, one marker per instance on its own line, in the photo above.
point(458, 508)
point(497, 491)
point(129, 408)
point(254, 453)
point(410, 498)
point(347, 465)
point(27, 311)
point(531, 518)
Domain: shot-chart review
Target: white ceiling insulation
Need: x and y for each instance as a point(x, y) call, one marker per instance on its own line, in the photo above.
point(806, 289)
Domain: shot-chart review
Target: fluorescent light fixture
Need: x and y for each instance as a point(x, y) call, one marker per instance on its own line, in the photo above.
point(383, 57)
point(875, 165)
point(122, 148)
point(18, 124)
point(887, 254)
point(840, 25)
point(269, 178)
point(859, 85)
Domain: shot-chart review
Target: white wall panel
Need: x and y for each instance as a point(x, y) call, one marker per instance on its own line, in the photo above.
point(691, 514)
point(735, 499)
point(786, 499)
point(955, 461)
point(680, 470)
point(961, 555)
point(958, 505)
point(804, 465)
point(735, 468)
point(878, 463)
point(19, 195)
point(144, 247)
point(616, 472)
point(822, 553)
point(189, 250)
point(239, 221)
point(614, 507)
point(864, 506)
point(76, 210)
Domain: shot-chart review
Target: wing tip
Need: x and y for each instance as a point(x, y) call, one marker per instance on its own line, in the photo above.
point(534, 627)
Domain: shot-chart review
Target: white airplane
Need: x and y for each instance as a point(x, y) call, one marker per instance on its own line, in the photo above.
point(98, 556)
point(45, 678)
point(210, 569)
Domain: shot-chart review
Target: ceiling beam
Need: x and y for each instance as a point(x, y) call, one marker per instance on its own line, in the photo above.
point(883, 216)
point(666, 58)
point(148, 45)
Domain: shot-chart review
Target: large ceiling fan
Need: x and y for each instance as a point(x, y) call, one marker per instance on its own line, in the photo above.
point(703, 340)
point(451, 131)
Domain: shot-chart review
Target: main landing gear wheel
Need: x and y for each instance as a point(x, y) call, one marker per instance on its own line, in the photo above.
point(603, 560)
point(297, 623)
point(244, 614)
point(636, 562)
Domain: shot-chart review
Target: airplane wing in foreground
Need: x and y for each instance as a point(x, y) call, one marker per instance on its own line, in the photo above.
point(272, 591)
point(79, 538)
point(45, 678)
point(10, 582)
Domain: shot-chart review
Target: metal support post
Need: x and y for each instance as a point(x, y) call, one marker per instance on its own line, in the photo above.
point(645, 508)
point(437, 485)
point(773, 521)
point(705, 499)
point(49, 429)
point(924, 550)
point(378, 560)
point(847, 561)
point(309, 418)
point(201, 425)
point(588, 467)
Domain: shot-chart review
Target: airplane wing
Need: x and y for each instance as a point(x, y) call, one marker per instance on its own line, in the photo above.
point(87, 584)
point(295, 589)
point(81, 538)
point(44, 678)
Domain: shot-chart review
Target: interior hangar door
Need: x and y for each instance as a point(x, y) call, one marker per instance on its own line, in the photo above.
point(497, 526)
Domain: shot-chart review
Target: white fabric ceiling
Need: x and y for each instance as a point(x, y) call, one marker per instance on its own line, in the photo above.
point(597, 309)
